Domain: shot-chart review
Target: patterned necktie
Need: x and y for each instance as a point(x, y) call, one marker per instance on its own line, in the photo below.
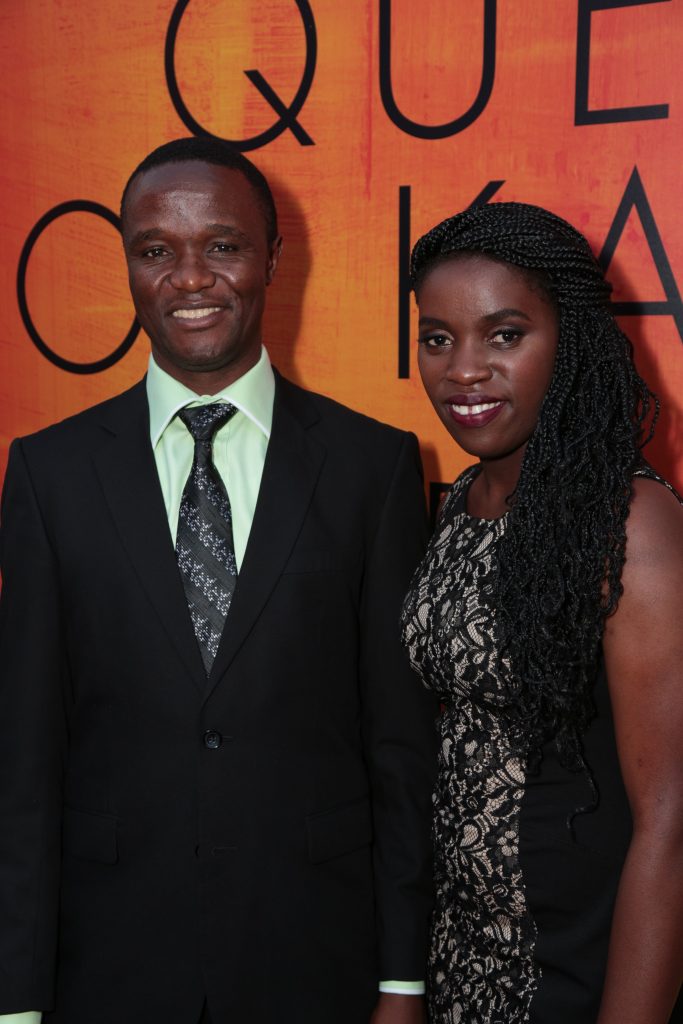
point(204, 546)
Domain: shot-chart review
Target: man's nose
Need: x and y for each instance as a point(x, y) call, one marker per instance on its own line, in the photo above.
point(468, 363)
point(192, 273)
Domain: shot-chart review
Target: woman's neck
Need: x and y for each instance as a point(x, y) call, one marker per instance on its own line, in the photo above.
point(488, 496)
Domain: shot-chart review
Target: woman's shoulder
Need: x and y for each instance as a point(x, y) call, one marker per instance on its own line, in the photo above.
point(654, 527)
point(646, 472)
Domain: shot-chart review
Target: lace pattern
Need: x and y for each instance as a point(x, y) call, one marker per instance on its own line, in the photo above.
point(481, 967)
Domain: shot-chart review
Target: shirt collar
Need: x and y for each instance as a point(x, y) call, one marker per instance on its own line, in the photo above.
point(253, 394)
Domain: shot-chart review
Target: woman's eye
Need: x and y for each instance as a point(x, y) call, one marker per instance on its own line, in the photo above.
point(507, 335)
point(435, 341)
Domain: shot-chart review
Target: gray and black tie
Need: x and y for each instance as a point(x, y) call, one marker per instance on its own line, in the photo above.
point(204, 544)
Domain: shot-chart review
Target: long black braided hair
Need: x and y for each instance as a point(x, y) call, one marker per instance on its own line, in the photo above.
point(562, 552)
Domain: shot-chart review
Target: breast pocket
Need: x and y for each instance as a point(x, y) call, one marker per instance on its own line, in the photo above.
point(304, 561)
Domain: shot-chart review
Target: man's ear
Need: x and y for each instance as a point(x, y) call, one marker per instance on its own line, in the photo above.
point(275, 250)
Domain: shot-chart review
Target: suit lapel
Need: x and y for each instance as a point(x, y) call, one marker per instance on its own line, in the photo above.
point(127, 472)
point(293, 463)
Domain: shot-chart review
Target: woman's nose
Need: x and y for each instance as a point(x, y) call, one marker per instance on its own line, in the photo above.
point(468, 363)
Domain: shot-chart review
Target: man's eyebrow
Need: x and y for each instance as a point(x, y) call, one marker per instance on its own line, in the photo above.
point(214, 229)
point(143, 236)
point(226, 229)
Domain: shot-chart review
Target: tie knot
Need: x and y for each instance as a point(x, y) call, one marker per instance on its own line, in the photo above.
point(204, 420)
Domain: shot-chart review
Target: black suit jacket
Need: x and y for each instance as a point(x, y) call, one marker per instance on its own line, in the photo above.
point(261, 838)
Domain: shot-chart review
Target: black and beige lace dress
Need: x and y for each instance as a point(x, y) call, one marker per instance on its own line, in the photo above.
point(523, 904)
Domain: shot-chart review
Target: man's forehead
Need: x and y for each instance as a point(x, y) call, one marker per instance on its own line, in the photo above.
point(192, 189)
point(193, 176)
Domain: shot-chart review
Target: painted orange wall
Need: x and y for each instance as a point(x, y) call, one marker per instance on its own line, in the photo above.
point(85, 97)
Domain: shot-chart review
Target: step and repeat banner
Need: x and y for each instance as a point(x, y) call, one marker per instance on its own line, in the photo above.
point(372, 119)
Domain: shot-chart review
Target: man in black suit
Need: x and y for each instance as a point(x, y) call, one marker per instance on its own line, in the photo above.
point(215, 763)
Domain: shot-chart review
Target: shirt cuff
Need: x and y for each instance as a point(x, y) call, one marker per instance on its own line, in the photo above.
point(399, 988)
point(29, 1017)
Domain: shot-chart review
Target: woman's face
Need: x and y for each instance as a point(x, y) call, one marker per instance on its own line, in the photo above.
point(487, 344)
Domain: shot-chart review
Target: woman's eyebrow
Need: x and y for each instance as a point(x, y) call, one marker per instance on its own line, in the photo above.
point(431, 321)
point(500, 314)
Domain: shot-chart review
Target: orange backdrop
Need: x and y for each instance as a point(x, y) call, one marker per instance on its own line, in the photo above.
point(407, 112)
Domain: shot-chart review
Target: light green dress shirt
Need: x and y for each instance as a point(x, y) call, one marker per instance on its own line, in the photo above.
point(239, 454)
point(239, 447)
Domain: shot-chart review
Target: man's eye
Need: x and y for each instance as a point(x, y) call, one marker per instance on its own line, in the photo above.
point(225, 247)
point(154, 253)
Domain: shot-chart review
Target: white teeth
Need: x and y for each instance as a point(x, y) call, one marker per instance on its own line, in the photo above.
point(195, 314)
point(473, 410)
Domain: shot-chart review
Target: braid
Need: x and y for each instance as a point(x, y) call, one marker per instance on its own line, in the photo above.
point(562, 552)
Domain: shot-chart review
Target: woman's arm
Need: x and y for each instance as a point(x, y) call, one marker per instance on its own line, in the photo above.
point(643, 646)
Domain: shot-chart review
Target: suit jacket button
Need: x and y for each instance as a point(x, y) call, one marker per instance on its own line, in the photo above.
point(212, 739)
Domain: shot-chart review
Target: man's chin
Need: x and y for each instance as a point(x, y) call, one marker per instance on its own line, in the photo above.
point(205, 362)
point(200, 357)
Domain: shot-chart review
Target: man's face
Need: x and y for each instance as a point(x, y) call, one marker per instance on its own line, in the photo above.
point(199, 262)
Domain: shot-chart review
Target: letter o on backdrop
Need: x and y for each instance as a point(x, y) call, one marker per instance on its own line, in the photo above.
point(98, 365)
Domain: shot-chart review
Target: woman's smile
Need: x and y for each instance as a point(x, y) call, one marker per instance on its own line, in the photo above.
point(473, 410)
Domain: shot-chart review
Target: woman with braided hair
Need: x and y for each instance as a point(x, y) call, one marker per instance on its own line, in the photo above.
point(546, 616)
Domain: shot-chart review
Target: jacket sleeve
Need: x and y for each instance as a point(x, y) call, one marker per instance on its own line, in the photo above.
point(32, 746)
point(398, 729)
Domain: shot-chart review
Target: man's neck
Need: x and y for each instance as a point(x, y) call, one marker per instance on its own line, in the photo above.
point(207, 381)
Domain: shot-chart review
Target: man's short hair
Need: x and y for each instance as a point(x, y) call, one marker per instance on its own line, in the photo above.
point(211, 151)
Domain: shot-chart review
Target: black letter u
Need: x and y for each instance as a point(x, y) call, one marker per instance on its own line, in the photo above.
point(436, 131)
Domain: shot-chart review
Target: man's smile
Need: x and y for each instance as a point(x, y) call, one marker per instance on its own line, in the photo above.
point(196, 313)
